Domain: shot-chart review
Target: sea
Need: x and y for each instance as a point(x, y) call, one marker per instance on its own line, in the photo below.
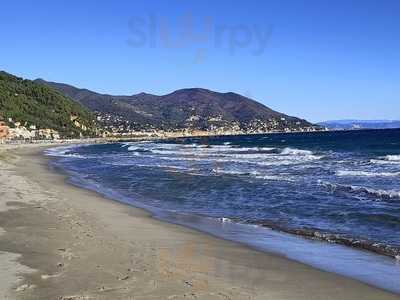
point(327, 199)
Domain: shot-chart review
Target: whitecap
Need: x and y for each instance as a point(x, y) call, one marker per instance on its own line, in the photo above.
point(392, 158)
point(64, 151)
point(294, 151)
point(255, 174)
point(381, 194)
point(366, 174)
point(384, 162)
point(133, 148)
point(225, 220)
point(388, 159)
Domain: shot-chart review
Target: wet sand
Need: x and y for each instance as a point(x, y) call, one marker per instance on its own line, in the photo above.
point(58, 241)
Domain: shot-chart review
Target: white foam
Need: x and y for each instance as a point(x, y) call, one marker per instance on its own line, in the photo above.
point(133, 148)
point(392, 158)
point(63, 151)
point(264, 155)
point(232, 172)
point(388, 159)
point(254, 174)
point(387, 194)
point(379, 193)
point(274, 178)
point(217, 152)
point(367, 174)
point(384, 162)
point(225, 220)
point(294, 151)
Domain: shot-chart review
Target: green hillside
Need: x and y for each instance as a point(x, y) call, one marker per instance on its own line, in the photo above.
point(33, 104)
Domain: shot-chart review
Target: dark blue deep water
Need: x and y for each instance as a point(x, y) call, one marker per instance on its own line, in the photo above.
point(341, 187)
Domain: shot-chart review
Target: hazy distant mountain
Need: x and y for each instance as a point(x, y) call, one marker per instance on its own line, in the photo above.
point(360, 124)
point(193, 108)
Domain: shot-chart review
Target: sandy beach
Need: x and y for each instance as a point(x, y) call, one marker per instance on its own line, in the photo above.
point(58, 241)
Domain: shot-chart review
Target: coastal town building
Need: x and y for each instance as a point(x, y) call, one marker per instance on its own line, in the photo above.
point(19, 132)
point(119, 126)
point(4, 131)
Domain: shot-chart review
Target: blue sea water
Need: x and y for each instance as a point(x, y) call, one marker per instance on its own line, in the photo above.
point(335, 187)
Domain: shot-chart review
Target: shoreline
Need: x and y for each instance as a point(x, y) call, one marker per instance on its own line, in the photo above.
point(352, 261)
point(107, 250)
point(171, 135)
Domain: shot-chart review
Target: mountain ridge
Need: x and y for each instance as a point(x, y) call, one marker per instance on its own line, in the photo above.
point(188, 108)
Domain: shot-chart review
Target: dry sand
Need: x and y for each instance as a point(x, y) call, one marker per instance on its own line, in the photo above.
point(62, 242)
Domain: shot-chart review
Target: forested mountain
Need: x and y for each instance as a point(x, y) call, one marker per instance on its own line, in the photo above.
point(30, 103)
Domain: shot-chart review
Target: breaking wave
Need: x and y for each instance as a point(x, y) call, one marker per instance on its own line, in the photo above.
point(64, 151)
point(254, 174)
point(377, 195)
point(263, 156)
point(291, 151)
point(387, 160)
point(392, 158)
point(367, 174)
point(340, 239)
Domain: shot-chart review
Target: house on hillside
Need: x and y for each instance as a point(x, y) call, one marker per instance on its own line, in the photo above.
point(48, 134)
point(20, 133)
point(4, 131)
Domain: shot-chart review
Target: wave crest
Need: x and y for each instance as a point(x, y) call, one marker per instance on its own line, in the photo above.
point(366, 174)
point(294, 151)
point(378, 195)
point(392, 158)
point(388, 159)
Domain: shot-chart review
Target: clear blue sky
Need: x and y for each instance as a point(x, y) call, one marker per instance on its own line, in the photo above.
point(317, 59)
